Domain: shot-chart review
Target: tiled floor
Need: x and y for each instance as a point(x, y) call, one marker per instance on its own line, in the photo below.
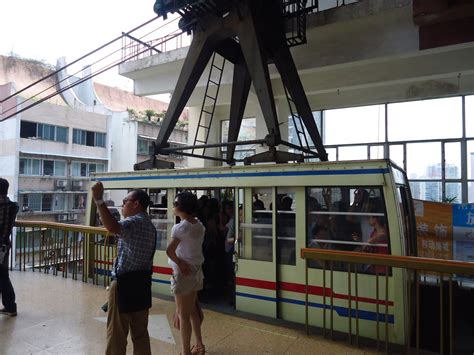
point(62, 316)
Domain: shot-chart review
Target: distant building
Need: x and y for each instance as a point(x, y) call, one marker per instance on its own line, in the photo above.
point(48, 151)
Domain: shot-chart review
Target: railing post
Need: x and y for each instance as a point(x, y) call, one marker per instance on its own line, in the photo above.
point(306, 296)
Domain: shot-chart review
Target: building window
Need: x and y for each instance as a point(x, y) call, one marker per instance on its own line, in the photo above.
point(47, 202)
point(38, 167)
point(79, 201)
point(85, 169)
point(30, 166)
point(430, 151)
point(91, 139)
point(143, 147)
point(42, 202)
point(48, 167)
point(43, 131)
point(248, 131)
point(31, 202)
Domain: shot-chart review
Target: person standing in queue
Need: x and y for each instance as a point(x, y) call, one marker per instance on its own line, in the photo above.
point(186, 259)
point(129, 298)
point(8, 211)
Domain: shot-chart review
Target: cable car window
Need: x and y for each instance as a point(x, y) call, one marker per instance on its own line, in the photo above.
point(286, 227)
point(256, 242)
point(350, 219)
point(159, 216)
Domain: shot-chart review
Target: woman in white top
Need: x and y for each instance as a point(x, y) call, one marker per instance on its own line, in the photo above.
point(185, 257)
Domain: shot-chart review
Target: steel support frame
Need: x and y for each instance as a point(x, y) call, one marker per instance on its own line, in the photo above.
point(259, 26)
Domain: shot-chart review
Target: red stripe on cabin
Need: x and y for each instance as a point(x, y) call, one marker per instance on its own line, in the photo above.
point(319, 291)
point(163, 270)
point(268, 285)
point(300, 288)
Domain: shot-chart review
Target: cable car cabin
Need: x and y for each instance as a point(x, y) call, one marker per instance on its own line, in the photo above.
point(275, 210)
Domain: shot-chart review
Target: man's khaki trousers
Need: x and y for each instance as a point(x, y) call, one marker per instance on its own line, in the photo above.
point(118, 325)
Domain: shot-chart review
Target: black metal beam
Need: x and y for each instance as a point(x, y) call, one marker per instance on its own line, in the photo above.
point(240, 92)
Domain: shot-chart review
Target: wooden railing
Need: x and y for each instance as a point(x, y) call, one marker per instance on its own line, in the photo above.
point(83, 252)
point(417, 270)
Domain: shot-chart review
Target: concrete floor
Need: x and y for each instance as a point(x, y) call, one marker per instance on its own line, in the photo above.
point(62, 316)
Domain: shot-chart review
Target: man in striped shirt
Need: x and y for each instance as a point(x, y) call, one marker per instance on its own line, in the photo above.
point(130, 291)
point(8, 211)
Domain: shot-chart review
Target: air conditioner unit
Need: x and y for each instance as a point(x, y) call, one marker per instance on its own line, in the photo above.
point(61, 183)
point(77, 185)
point(73, 216)
point(62, 217)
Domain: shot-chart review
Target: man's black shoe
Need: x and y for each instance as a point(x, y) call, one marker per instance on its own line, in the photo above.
point(8, 313)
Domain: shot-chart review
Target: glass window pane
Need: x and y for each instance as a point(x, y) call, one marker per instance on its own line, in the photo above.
point(61, 134)
point(35, 166)
point(59, 202)
point(396, 155)
point(83, 169)
point(76, 136)
point(293, 131)
point(470, 192)
point(91, 168)
point(469, 116)
point(354, 125)
point(79, 201)
point(376, 152)
point(286, 227)
point(332, 154)
point(347, 218)
point(48, 167)
point(353, 153)
point(424, 160)
point(23, 165)
point(40, 132)
point(47, 202)
point(427, 119)
point(159, 217)
point(247, 132)
point(100, 139)
point(452, 155)
point(426, 190)
point(100, 168)
point(76, 169)
point(257, 241)
point(90, 138)
point(34, 202)
point(59, 168)
point(453, 192)
point(470, 159)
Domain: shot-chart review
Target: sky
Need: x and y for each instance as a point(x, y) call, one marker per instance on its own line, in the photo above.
point(48, 29)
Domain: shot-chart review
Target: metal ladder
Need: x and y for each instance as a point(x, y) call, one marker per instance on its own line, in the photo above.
point(214, 80)
point(297, 121)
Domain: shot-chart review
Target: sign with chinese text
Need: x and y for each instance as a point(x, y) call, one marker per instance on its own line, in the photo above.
point(434, 229)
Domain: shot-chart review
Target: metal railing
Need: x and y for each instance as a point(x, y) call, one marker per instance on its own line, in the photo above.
point(133, 50)
point(417, 270)
point(81, 252)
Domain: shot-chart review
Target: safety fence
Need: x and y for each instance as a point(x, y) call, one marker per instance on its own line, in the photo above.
point(423, 280)
point(75, 251)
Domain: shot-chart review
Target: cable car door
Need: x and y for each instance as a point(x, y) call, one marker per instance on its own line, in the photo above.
point(256, 290)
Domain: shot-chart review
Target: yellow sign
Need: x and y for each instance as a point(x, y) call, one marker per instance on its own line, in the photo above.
point(434, 229)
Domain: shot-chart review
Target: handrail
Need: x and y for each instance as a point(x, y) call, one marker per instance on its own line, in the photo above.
point(63, 226)
point(414, 267)
point(405, 262)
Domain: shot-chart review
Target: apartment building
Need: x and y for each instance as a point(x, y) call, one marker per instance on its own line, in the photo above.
point(49, 151)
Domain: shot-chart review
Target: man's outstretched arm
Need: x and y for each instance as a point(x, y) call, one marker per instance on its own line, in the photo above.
point(109, 222)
